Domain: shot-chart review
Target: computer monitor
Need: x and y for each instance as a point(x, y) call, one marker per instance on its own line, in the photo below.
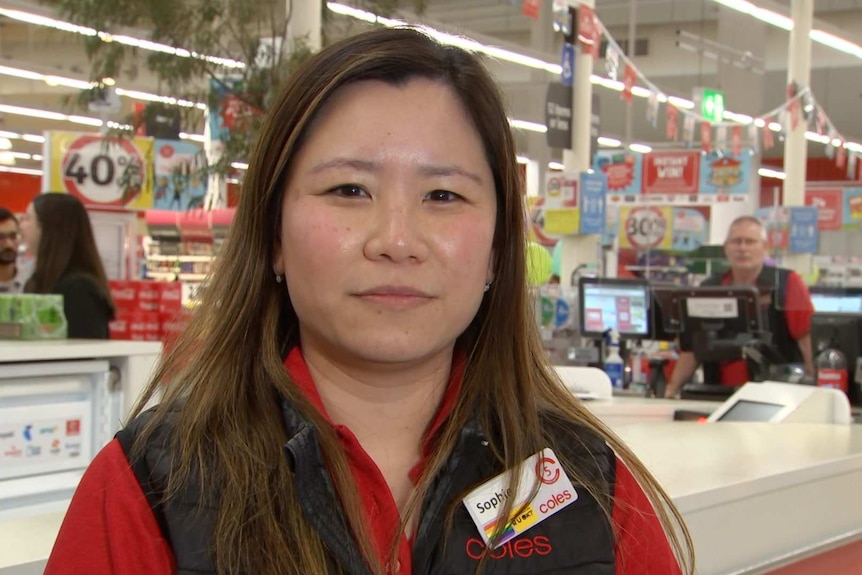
point(842, 331)
point(617, 304)
point(716, 323)
point(664, 311)
point(837, 300)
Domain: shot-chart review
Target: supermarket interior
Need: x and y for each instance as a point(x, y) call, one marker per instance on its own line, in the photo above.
point(691, 184)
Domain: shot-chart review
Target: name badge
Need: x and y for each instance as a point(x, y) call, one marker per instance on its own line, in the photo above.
point(555, 493)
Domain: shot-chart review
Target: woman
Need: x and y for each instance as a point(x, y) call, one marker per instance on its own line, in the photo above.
point(366, 358)
point(56, 230)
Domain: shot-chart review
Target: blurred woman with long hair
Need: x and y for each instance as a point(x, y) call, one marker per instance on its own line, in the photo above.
point(56, 230)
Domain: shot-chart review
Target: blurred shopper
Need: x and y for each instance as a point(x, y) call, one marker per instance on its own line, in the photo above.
point(56, 230)
point(786, 305)
point(10, 235)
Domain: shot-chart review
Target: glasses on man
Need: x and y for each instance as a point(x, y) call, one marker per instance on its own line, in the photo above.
point(9, 237)
point(743, 242)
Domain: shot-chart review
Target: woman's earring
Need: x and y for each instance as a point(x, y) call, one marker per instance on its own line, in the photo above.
point(487, 286)
point(278, 278)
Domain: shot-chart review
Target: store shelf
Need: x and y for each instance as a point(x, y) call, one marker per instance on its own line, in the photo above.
point(179, 258)
point(171, 276)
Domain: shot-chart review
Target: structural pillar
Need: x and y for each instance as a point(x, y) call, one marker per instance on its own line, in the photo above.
point(305, 22)
point(799, 71)
point(579, 250)
point(795, 144)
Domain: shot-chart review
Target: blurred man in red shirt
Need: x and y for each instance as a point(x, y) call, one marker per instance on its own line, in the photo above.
point(788, 309)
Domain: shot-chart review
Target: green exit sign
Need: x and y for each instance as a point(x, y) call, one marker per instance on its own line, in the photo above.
point(712, 105)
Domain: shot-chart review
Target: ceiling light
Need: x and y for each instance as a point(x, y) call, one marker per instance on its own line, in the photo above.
point(768, 16)
point(556, 166)
point(7, 159)
point(120, 39)
point(767, 173)
point(609, 142)
point(193, 137)
point(640, 148)
point(528, 126)
point(522, 159)
point(5, 143)
point(239, 165)
point(25, 171)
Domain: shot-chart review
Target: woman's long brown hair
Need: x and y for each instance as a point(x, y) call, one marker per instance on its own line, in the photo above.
point(226, 372)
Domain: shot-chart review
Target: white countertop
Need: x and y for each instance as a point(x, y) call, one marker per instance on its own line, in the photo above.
point(708, 464)
point(757, 495)
point(12, 350)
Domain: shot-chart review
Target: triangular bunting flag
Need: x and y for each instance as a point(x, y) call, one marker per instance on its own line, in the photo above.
point(841, 155)
point(721, 137)
point(629, 81)
point(820, 120)
point(851, 166)
point(768, 138)
point(612, 61)
point(688, 129)
point(672, 122)
point(597, 39)
point(531, 8)
point(706, 136)
point(652, 109)
point(754, 136)
point(736, 140)
point(586, 28)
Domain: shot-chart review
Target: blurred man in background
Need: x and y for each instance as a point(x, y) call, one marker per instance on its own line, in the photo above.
point(787, 308)
point(10, 276)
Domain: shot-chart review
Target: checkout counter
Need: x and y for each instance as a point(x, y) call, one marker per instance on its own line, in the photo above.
point(767, 480)
point(60, 402)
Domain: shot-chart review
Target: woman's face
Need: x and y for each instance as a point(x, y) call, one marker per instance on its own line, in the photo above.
point(387, 224)
point(31, 231)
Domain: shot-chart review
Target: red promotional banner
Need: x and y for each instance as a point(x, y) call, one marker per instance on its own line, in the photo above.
point(629, 80)
point(706, 136)
point(672, 122)
point(586, 27)
point(671, 173)
point(830, 207)
point(531, 8)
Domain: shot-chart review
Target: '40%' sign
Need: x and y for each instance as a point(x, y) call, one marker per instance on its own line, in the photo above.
point(102, 171)
point(646, 227)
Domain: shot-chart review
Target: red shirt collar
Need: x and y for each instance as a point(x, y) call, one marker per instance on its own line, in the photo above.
point(298, 370)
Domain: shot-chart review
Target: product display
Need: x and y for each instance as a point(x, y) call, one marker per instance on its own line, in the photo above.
point(32, 316)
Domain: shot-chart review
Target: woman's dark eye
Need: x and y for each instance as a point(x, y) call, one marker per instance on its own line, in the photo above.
point(442, 196)
point(349, 191)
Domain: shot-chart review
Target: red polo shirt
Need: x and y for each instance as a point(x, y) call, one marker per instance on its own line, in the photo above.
point(798, 310)
point(110, 529)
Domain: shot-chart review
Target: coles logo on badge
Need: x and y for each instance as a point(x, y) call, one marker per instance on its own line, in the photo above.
point(555, 491)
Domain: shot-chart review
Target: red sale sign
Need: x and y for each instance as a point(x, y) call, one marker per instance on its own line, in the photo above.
point(830, 207)
point(671, 173)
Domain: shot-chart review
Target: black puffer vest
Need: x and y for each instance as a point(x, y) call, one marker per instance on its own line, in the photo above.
point(578, 539)
point(774, 281)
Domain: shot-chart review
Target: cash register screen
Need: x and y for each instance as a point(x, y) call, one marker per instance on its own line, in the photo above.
point(620, 305)
point(744, 410)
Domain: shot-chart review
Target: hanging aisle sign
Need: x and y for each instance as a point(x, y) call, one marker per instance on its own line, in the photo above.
point(101, 171)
